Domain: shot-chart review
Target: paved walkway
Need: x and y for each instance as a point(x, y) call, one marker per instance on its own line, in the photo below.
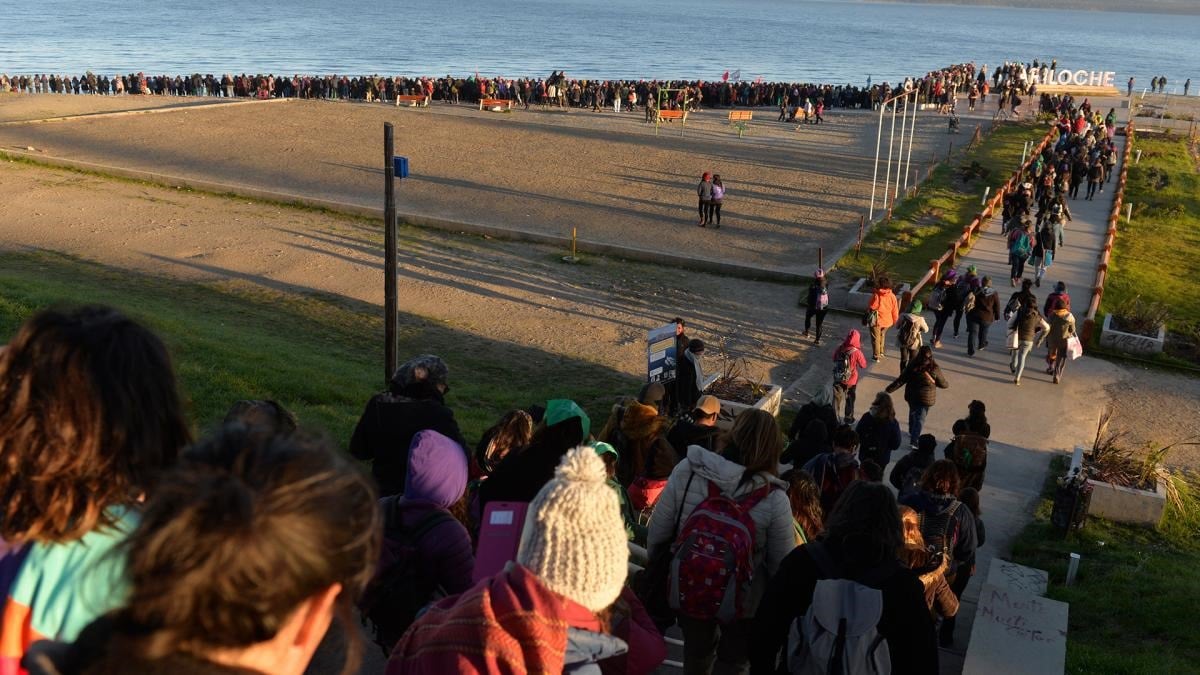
point(1030, 422)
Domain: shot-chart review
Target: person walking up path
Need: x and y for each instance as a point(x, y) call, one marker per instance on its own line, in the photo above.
point(1028, 422)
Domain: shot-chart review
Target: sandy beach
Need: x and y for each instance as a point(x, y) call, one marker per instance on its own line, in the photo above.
point(26, 108)
point(789, 191)
point(508, 291)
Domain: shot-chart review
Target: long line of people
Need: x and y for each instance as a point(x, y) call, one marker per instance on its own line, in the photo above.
point(936, 87)
point(127, 547)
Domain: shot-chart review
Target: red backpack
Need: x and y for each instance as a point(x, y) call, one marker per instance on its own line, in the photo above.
point(713, 558)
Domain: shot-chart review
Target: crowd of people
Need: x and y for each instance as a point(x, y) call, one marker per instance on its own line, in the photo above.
point(796, 101)
point(549, 545)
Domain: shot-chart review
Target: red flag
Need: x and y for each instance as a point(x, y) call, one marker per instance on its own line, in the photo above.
point(725, 77)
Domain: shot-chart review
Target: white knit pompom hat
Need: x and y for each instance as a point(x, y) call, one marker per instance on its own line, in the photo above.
point(574, 538)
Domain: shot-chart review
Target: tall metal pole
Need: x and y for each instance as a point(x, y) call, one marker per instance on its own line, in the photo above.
point(911, 132)
point(389, 255)
point(900, 158)
point(887, 182)
point(875, 177)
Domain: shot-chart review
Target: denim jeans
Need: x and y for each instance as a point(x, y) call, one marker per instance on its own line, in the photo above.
point(1018, 265)
point(939, 324)
point(1019, 355)
point(976, 335)
point(916, 420)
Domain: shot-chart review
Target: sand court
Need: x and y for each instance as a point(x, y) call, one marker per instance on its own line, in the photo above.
point(789, 191)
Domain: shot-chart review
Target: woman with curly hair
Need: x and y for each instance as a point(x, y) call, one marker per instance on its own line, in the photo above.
point(89, 417)
point(808, 517)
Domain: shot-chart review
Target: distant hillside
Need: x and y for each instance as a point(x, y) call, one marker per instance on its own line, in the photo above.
point(1145, 6)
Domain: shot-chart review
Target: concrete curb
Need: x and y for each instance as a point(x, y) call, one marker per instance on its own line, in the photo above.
point(145, 111)
point(422, 220)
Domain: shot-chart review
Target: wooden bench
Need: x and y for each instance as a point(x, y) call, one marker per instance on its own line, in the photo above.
point(490, 103)
point(671, 116)
point(413, 100)
point(739, 119)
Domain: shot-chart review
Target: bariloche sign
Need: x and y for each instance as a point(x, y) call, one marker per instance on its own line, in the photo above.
point(1081, 78)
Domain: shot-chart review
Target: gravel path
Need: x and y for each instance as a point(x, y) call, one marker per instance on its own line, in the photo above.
point(1154, 407)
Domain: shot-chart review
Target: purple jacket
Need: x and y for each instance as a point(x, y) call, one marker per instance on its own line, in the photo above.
point(436, 480)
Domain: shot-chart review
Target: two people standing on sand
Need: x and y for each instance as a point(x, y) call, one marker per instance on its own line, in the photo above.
point(711, 192)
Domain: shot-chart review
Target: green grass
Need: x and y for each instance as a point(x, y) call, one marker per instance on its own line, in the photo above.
point(318, 355)
point(923, 226)
point(1134, 601)
point(1156, 254)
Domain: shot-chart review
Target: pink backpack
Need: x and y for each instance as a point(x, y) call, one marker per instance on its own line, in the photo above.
point(713, 557)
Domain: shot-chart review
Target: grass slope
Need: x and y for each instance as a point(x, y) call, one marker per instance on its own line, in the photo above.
point(318, 355)
point(1135, 597)
point(923, 226)
point(1156, 254)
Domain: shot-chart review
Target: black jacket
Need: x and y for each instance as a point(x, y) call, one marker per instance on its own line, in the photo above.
point(913, 460)
point(687, 392)
point(906, 622)
point(809, 412)
point(386, 429)
point(965, 542)
point(686, 432)
point(522, 473)
point(920, 387)
point(987, 306)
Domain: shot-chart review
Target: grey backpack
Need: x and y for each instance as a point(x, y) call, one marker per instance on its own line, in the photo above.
point(839, 634)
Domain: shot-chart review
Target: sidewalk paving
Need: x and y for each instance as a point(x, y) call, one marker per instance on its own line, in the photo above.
point(1030, 422)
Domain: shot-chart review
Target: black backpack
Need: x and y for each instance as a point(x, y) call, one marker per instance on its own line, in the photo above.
point(398, 591)
point(906, 337)
point(940, 532)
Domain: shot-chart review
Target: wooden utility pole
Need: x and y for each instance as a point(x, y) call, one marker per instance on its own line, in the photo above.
point(389, 255)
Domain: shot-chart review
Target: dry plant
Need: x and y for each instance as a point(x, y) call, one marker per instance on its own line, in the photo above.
point(1141, 316)
point(880, 270)
point(1112, 461)
point(735, 378)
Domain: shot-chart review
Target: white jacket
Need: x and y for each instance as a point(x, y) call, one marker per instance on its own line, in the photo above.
point(774, 536)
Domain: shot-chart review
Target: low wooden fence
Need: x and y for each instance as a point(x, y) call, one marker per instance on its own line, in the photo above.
point(1110, 238)
point(950, 257)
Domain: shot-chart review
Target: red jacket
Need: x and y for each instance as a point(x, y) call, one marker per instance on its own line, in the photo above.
point(857, 360)
point(508, 623)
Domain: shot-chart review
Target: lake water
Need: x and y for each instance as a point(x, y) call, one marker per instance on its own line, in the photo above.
point(795, 40)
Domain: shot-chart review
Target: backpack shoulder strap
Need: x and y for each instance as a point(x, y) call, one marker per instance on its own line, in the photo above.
point(682, 499)
point(713, 490)
point(752, 499)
